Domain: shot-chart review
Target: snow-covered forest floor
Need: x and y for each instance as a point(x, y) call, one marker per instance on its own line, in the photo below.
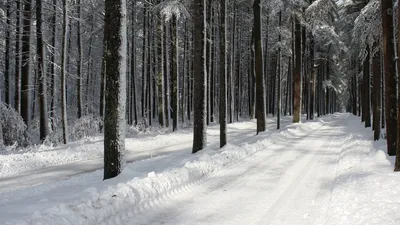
point(322, 172)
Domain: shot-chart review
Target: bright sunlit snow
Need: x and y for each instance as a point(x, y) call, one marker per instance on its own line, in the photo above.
point(323, 172)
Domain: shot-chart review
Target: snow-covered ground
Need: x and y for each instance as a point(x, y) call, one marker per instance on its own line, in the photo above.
point(323, 172)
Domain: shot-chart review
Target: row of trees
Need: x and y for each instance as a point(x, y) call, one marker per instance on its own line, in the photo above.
point(183, 62)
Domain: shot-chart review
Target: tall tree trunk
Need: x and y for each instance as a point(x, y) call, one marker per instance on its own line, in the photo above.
point(367, 86)
point(53, 67)
point(266, 63)
point(17, 96)
point(232, 66)
point(376, 97)
point(167, 77)
point(26, 61)
point(63, 73)
point(213, 68)
point(288, 82)
point(199, 75)
point(79, 62)
point(397, 136)
point(44, 129)
point(114, 120)
point(7, 93)
point(260, 85)
point(279, 65)
point(251, 79)
point(161, 82)
point(175, 71)
point(209, 58)
point(133, 64)
point(185, 73)
point(390, 79)
point(144, 62)
point(223, 73)
point(297, 73)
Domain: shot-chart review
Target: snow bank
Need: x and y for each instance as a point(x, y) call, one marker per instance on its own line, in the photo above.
point(120, 202)
point(40, 156)
point(366, 190)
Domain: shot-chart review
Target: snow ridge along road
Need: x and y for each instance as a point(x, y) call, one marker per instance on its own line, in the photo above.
point(111, 200)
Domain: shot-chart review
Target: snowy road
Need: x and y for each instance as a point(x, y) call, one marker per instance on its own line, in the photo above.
point(326, 172)
point(291, 183)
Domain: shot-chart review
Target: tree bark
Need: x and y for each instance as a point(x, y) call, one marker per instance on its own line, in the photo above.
point(367, 86)
point(114, 120)
point(44, 129)
point(26, 62)
point(79, 63)
point(223, 74)
point(7, 95)
point(390, 79)
point(63, 73)
point(175, 71)
point(279, 72)
point(376, 97)
point(297, 74)
point(17, 96)
point(260, 85)
point(199, 75)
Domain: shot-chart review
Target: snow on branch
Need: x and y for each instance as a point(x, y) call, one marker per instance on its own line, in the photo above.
point(367, 27)
point(170, 8)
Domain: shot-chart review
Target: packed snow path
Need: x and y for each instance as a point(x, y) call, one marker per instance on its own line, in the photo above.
point(291, 183)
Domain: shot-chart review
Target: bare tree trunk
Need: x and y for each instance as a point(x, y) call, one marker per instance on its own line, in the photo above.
point(199, 75)
point(63, 73)
point(167, 77)
point(260, 84)
point(367, 86)
point(312, 77)
point(213, 68)
point(175, 71)
point(80, 63)
point(297, 74)
point(223, 94)
point(144, 62)
point(208, 57)
point(17, 96)
point(279, 65)
point(185, 76)
point(376, 97)
point(53, 67)
point(232, 62)
point(26, 62)
point(44, 129)
point(133, 64)
point(390, 81)
point(161, 85)
point(7, 93)
point(114, 120)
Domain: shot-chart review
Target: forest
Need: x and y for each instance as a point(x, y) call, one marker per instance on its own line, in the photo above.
point(74, 68)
